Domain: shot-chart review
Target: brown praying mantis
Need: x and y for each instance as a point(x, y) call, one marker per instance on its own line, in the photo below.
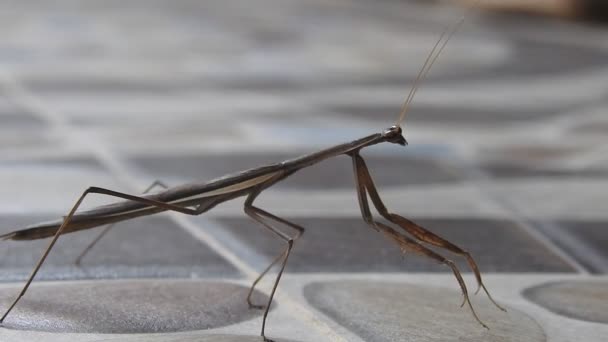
point(198, 198)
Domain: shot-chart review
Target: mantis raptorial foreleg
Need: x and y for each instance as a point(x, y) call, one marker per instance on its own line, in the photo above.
point(156, 183)
point(258, 215)
point(364, 184)
point(415, 230)
point(411, 245)
point(68, 218)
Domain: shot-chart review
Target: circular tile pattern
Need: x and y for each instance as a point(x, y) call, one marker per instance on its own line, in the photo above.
point(134, 306)
point(584, 300)
point(199, 338)
point(383, 312)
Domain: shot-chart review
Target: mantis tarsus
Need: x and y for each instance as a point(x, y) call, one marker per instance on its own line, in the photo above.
point(198, 198)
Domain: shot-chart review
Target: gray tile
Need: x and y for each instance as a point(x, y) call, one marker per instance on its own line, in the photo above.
point(583, 300)
point(546, 58)
point(335, 173)
point(594, 234)
point(146, 247)
point(506, 171)
point(589, 128)
point(20, 129)
point(383, 312)
point(198, 338)
point(14, 117)
point(51, 184)
point(67, 162)
point(134, 306)
point(542, 58)
point(527, 154)
point(349, 245)
point(453, 116)
point(106, 86)
point(20, 120)
point(27, 140)
point(269, 84)
point(66, 85)
point(586, 241)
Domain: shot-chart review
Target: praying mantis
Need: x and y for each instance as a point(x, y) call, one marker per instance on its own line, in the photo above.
point(198, 198)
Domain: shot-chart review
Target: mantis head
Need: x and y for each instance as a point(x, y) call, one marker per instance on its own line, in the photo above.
point(394, 134)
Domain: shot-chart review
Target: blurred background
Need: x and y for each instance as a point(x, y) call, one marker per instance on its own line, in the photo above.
point(508, 135)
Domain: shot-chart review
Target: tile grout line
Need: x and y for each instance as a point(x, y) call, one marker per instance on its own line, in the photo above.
point(565, 121)
point(198, 233)
point(23, 98)
point(592, 258)
point(481, 180)
point(182, 221)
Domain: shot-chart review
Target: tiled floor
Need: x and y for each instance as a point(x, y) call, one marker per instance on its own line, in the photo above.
point(507, 159)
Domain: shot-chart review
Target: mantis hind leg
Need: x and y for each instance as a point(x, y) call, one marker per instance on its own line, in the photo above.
point(300, 231)
point(261, 216)
point(415, 230)
point(68, 218)
point(90, 246)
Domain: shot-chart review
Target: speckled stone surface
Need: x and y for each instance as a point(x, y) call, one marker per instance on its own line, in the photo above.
point(583, 300)
point(135, 306)
point(383, 312)
point(200, 338)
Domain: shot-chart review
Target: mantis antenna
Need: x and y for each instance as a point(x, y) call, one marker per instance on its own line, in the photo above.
point(430, 60)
